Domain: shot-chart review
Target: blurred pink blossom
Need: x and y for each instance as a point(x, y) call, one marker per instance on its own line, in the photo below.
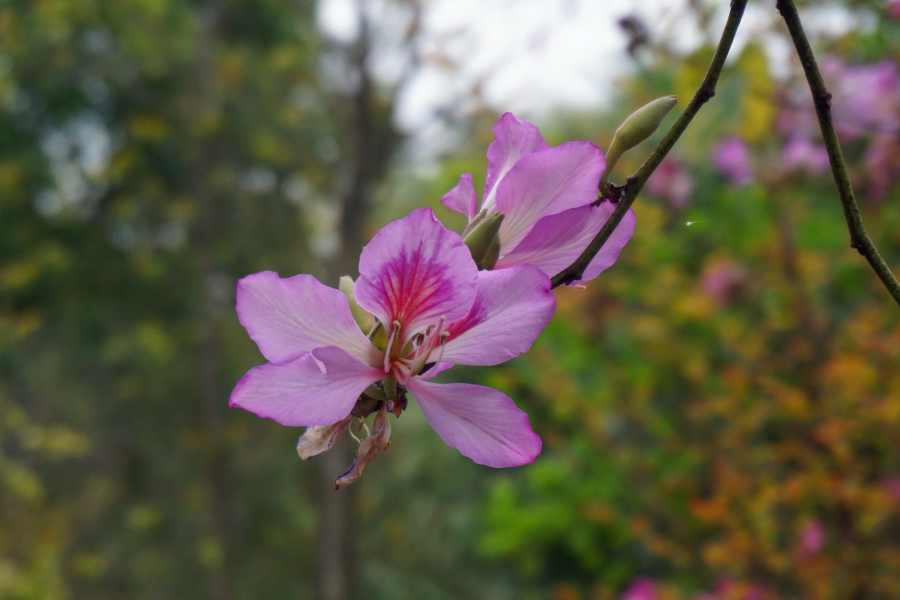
point(723, 280)
point(894, 9)
point(865, 97)
point(802, 154)
point(732, 158)
point(893, 487)
point(882, 166)
point(641, 588)
point(811, 539)
point(672, 182)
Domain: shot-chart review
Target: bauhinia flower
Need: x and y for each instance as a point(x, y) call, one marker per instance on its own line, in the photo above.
point(545, 197)
point(432, 308)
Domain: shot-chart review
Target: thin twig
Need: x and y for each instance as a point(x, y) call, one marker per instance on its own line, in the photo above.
point(636, 182)
point(859, 239)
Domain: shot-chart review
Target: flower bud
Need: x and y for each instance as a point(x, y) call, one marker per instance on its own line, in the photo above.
point(490, 259)
point(365, 321)
point(483, 236)
point(639, 126)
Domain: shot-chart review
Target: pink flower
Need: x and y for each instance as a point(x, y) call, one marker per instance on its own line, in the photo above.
point(545, 194)
point(865, 97)
point(642, 588)
point(672, 182)
point(724, 280)
point(894, 9)
point(811, 539)
point(436, 310)
point(893, 487)
point(802, 154)
point(732, 158)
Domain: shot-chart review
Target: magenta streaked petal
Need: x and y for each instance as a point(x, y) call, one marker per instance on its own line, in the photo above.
point(482, 423)
point(289, 317)
point(462, 198)
point(546, 183)
point(512, 307)
point(556, 241)
point(515, 139)
point(318, 388)
point(415, 271)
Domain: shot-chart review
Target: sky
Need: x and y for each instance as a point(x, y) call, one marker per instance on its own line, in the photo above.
point(536, 56)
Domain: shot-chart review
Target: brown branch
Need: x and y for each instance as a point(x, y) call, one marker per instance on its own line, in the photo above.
point(636, 182)
point(859, 238)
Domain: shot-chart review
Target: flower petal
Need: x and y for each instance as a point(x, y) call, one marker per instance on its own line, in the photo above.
point(319, 388)
point(289, 317)
point(462, 198)
point(546, 183)
point(515, 139)
point(512, 307)
point(556, 241)
point(480, 422)
point(415, 271)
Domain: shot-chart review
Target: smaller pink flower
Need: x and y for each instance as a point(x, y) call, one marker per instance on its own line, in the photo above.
point(802, 154)
point(545, 195)
point(723, 280)
point(732, 158)
point(672, 182)
point(642, 588)
point(894, 9)
point(811, 539)
point(893, 487)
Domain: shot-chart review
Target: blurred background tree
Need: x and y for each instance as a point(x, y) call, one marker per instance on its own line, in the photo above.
point(720, 410)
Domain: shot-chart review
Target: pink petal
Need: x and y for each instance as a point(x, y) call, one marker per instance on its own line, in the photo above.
point(480, 422)
point(515, 139)
point(546, 183)
point(319, 388)
point(289, 317)
point(415, 271)
point(512, 307)
point(462, 198)
point(556, 241)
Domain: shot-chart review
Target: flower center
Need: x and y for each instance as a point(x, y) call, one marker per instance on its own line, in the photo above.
point(409, 360)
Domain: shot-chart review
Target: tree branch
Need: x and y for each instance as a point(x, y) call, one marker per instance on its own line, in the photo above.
point(629, 192)
point(859, 239)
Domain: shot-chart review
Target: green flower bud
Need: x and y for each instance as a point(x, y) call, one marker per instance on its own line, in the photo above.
point(490, 259)
point(639, 126)
point(365, 321)
point(482, 237)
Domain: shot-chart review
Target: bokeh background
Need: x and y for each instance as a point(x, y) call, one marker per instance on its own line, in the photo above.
point(720, 410)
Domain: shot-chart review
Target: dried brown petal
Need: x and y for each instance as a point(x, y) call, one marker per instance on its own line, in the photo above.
point(372, 446)
point(316, 440)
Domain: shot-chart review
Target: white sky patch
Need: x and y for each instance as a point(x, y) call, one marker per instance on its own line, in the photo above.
point(532, 57)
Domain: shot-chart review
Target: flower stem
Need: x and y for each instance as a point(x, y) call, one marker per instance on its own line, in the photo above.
point(636, 182)
point(859, 238)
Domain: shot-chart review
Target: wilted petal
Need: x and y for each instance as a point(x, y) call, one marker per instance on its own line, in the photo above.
point(462, 198)
point(416, 271)
point(369, 448)
point(515, 139)
point(480, 422)
point(512, 307)
point(319, 439)
point(556, 241)
point(319, 388)
point(289, 317)
point(546, 183)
